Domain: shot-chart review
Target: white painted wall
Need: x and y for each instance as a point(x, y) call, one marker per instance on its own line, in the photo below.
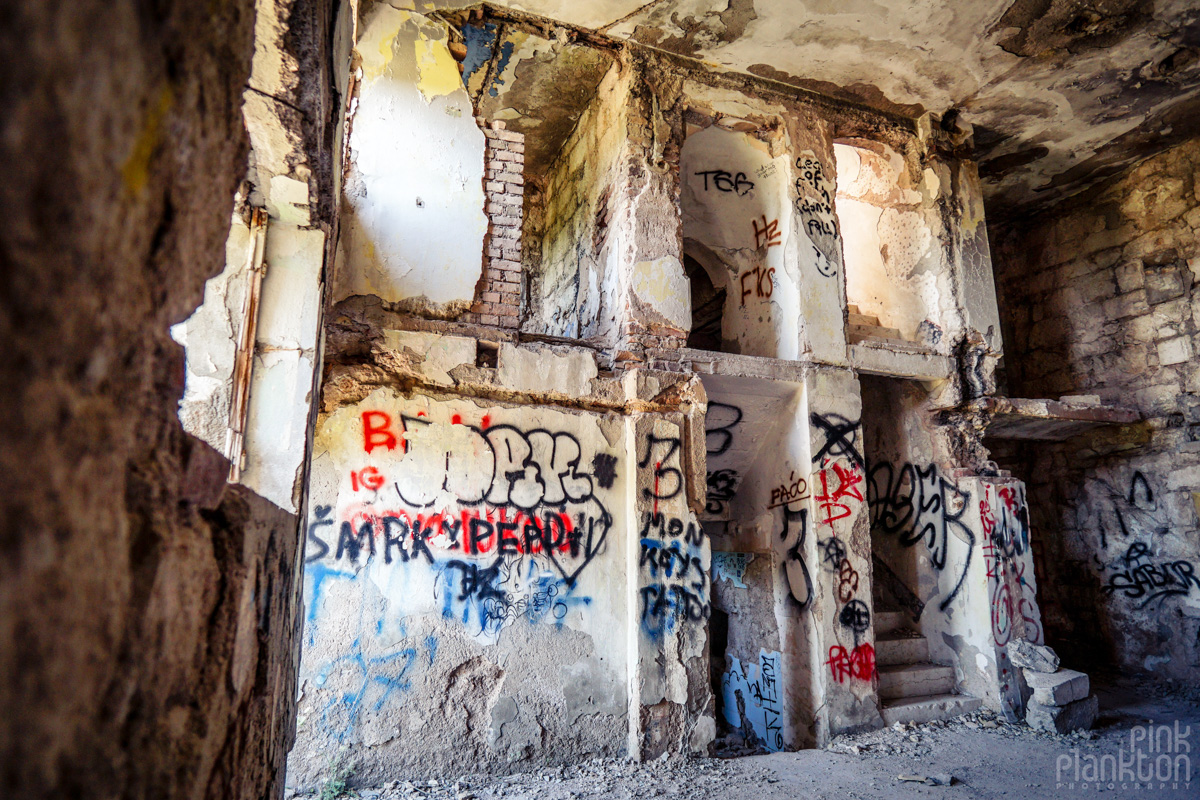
point(413, 222)
point(281, 383)
point(731, 188)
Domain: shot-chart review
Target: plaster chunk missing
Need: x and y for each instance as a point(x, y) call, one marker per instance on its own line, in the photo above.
point(543, 370)
point(662, 286)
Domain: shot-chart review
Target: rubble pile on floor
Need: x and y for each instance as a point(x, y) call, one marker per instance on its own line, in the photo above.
point(1061, 702)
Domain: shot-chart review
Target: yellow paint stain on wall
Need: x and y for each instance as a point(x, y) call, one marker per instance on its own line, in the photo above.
point(438, 69)
point(377, 46)
point(135, 172)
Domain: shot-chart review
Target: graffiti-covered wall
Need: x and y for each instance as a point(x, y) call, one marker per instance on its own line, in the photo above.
point(464, 574)
point(952, 550)
point(1101, 301)
point(492, 584)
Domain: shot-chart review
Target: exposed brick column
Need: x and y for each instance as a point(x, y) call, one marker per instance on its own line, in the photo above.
point(498, 293)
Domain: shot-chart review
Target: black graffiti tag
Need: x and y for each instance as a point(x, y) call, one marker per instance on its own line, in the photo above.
point(841, 438)
point(796, 568)
point(916, 505)
point(724, 181)
point(720, 420)
point(668, 481)
point(856, 616)
point(1141, 579)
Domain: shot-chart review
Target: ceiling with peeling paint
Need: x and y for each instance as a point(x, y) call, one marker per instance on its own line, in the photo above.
point(1061, 93)
point(538, 86)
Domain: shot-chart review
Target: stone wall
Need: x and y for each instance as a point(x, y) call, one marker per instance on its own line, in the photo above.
point(147, 608)
point(1100, 298)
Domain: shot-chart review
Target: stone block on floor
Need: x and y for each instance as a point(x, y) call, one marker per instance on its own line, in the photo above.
point(1079, 715)
point(1030, 656)
point(1058, 688)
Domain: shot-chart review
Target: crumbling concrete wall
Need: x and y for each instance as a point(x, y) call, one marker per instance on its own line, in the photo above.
point(503, 545)
point(893, 269)
point(405, 602)
point(489, 559)
point(1100, 299)
point(265, 306)
point(148, 608)
point(574, 291)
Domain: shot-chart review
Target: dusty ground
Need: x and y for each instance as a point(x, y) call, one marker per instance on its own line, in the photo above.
point(986, 757)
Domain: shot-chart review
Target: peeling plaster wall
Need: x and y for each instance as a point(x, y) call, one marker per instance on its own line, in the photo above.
point(493, 584)
point(892, 257)
point(287, 322)
point(1100, 299)
point(413, 222)
point(916, 250)
point(281, 387)
point(285, 352)
point(574, 290)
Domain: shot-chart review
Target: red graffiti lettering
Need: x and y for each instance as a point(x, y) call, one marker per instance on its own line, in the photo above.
point(858, 663)
point(768, 235)
point(367, 477)
point(848, 480)
point(376, 431)
point(764, 283)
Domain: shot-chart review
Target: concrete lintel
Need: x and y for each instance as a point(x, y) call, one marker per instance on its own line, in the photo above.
point(894, 363)
point(1046, 420)
point(703, 362)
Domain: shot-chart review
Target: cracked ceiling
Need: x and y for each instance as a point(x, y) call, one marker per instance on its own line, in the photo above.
point(1061, 93)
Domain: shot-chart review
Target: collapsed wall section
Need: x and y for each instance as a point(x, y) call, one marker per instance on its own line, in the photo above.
point(413, 223)
point(1100, 299)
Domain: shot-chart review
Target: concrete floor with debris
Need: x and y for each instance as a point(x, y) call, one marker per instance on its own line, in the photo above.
point(977, 756)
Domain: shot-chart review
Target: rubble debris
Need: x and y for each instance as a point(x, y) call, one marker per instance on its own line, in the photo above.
point(1079, 715)
point(1058, 688)
point(1030, 656)
point(939, 779)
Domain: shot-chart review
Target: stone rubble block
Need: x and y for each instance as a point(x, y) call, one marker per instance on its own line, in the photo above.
point(1058, 688)
point(1030, 656)
point(1079, 715)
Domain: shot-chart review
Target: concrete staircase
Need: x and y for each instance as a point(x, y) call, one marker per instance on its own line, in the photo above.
point(911, 688)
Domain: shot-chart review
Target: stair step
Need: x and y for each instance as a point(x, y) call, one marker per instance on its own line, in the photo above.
point(873, 332)
point(915, 680)
point(869, 320)
point(894, 649)
point(929, 707)
point(889, 622)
